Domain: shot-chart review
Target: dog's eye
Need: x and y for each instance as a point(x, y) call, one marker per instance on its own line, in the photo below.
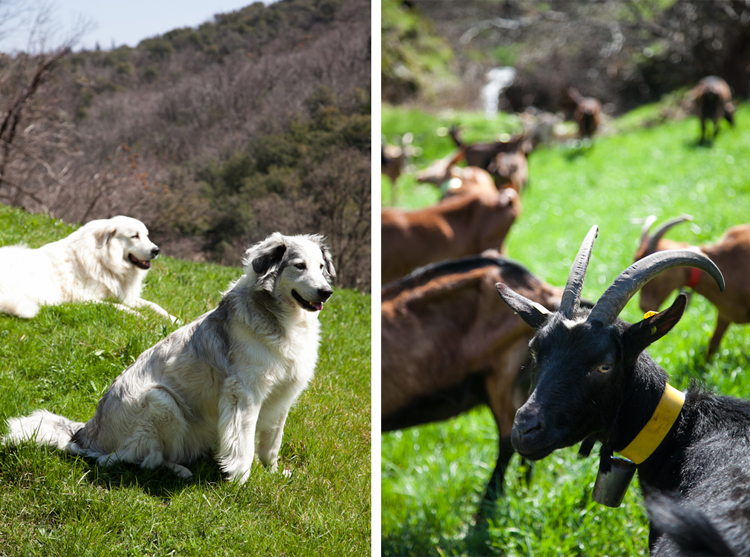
point(136, 236)
point(301, 266)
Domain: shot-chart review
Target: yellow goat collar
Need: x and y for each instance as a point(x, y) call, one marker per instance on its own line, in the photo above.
point(654, 432)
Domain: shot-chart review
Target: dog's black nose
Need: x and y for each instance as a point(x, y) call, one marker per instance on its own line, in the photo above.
point(154, 253)
point(324, 293)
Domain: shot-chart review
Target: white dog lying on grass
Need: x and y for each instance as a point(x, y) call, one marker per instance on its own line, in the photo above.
point(106, 258)
point(215, 382)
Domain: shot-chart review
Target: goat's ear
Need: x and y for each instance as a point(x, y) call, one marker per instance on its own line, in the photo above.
point(267, 256)
point(638, 336)
point(104, 235)
point(535, 315)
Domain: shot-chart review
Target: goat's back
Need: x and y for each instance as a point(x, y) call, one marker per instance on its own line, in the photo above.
point(444, 325)
point(456, 227)
point(684, 529)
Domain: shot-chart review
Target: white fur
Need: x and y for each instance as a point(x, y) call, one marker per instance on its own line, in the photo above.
point(214, 383)
point(91, 264)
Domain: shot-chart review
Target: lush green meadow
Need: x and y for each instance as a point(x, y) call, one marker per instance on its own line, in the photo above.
point(63, 360)
point(433, 477)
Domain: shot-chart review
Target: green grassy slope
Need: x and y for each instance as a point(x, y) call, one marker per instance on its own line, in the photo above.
point(66, 357)
point(433, 477)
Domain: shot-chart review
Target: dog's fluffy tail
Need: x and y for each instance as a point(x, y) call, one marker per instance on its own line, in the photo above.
point(43, 428)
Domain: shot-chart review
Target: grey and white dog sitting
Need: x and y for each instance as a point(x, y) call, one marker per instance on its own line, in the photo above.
point(214, 383)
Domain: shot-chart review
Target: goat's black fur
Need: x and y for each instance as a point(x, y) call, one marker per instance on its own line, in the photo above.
point(706, 458)
point(686, 530)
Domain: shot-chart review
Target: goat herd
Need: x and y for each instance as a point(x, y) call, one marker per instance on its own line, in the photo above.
point(450, 342)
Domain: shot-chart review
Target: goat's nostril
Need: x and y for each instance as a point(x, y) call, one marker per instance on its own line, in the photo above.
point(527, 424)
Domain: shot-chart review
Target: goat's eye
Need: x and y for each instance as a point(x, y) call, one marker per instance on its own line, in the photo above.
point(604, 368)
point(301, 266)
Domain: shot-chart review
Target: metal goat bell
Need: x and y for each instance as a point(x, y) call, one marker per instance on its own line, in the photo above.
point(610, 488)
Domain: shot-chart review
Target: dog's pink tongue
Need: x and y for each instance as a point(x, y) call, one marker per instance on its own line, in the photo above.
point(318, 305)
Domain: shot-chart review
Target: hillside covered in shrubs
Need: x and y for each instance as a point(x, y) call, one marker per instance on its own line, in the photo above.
point(214, 136)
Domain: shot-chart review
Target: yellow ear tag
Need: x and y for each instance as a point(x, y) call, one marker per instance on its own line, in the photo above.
point(649, 314)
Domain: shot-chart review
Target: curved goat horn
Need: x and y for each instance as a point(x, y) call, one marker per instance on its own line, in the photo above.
point(661, 230)
point(572, 294)
point(647, 222)
point(639, 273)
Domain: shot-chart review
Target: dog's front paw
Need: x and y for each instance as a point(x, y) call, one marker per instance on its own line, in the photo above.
point(240, 474)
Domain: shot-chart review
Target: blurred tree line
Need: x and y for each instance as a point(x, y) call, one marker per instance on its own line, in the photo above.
point(213, 136)
point(625, 52)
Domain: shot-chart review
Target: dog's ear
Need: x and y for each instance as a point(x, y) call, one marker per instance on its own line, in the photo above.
point(321, 243)
point(267, 254)
point(329, 262)
point(104, 235)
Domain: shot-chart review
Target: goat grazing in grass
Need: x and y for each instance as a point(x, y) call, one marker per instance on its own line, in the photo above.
point(449, 344)
point(506, 161)
point(713, 101)
point(455, 180)
point(587, 114)
point(483, 154)
point(594, 382)
point(731, 253)
point(511, 170)
point(456, 227)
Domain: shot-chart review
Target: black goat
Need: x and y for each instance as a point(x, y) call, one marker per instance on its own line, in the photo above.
point(593, 382)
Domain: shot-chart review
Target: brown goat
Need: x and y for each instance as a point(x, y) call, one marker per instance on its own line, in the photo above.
point(482, 155)
point(454, 180)
point(731, 254)
point(506, 161)
point(458, 226)
point(392, 160)
point(511, 170)
point(713, 100)
point(587, 114)
point(449, 344)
